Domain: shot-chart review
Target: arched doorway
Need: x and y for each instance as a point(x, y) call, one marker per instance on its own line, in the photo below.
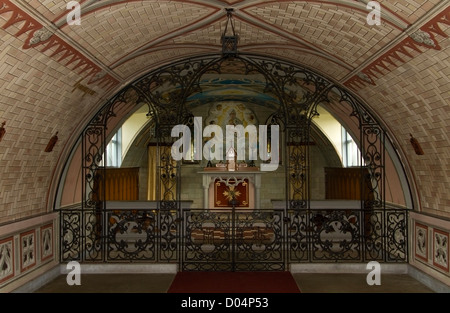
point(291, 228)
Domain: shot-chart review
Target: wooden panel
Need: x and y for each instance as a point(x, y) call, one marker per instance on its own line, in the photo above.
point(343, 183)
point(121, 184)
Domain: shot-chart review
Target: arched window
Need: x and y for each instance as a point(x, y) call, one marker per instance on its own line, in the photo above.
point(350, 151)
point(114, 150)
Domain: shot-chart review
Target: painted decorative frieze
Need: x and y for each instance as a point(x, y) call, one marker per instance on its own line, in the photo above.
point(415, 43)
point(6, 259)
point(47, 250)
point(440, 249)
point(42, 38)
point(421, 242)
point(27, 250)
point(424, 38)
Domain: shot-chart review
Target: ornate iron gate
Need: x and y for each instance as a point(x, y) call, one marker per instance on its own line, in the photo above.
point(299, 92)
point(233, 240)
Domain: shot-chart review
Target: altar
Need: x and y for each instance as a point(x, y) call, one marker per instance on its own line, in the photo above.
point(220, 186)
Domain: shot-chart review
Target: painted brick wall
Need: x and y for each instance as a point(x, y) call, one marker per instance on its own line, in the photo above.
point(415, 99)
point(37, 99)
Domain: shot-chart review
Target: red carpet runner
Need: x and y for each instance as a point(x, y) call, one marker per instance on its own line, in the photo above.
point(234, 282)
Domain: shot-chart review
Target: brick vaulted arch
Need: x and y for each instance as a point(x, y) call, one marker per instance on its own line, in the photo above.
point(55, 77)
point(166, 91)
point(297, 92)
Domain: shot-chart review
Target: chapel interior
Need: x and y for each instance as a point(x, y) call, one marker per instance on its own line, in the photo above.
point(225, 135)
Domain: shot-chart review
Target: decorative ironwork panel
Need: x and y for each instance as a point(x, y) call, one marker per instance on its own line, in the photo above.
point(168, 192)
point(93, 236)
point(297, 168)
point(336, 235)
point(240, 240)
point(131, 235)
point(373, 232)
point(396, 236)
point(234, 240)
point(258, 238)
point(93, 169)
point(167, 89)
point(168, 171)
point(94, 149)
point(372, 145)
point(373, 156)
point(169, 234)
point(207, 241)
point(71, 239)
point(297, 223)
point(81, 236)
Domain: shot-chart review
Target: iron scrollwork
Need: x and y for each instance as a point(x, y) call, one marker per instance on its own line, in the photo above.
point(210, 240)
point(336, 235)
point(131, 235)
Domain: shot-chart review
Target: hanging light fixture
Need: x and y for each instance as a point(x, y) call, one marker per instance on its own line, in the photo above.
point(229, 40)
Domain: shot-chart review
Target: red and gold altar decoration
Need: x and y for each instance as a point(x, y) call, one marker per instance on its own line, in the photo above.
point(224, 193)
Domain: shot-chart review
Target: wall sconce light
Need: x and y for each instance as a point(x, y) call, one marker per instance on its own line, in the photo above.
point(2, 131)
point(416, 145)
point(51, 143)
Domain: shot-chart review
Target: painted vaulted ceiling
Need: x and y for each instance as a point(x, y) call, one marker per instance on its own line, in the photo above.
point(54, 76)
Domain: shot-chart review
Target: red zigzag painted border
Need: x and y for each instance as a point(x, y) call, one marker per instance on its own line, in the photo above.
point(398, 54)
point(39, 36)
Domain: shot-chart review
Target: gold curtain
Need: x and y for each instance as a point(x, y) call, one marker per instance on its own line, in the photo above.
point(154, 175)
point(121, 184)
point(345, 183)
point(152, 172)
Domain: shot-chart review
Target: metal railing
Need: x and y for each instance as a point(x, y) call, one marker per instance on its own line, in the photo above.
point(234, 239)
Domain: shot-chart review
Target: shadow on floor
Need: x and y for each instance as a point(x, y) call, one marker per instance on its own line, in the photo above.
point(356, 283)
point(307, 282)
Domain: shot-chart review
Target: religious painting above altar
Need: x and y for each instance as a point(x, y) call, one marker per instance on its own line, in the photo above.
point(233, 113)
point(230, 126)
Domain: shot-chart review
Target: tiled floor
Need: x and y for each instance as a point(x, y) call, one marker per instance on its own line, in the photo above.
point(356, 283)
point(308, 283)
